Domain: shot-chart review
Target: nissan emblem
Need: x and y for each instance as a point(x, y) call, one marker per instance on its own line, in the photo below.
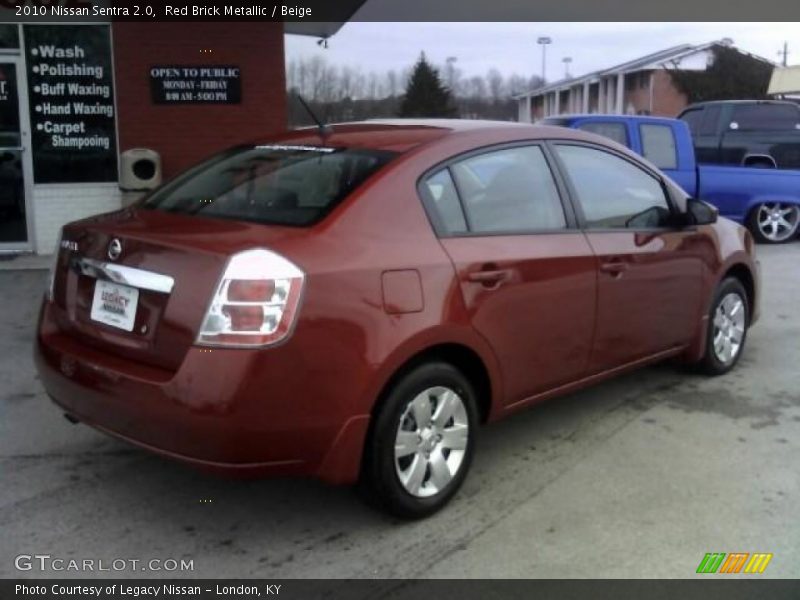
point(114, 249)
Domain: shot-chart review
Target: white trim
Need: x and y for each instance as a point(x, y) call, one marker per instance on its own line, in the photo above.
point(18, 60)
point(116, 95)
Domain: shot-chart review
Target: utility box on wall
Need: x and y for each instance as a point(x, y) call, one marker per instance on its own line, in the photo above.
point(139, 170)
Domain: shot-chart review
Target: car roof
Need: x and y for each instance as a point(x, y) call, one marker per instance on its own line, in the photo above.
point(571, 118)
point(402, 135)
point(765, 101)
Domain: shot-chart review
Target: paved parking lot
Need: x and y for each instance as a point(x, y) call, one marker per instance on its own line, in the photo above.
point(639, 477)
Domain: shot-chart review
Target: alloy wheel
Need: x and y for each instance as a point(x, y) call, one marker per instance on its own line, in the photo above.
point(431, 441)
point(729, 326)
point(777, 221)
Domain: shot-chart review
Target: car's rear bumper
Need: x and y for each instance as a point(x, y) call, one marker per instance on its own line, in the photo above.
point(244, 412)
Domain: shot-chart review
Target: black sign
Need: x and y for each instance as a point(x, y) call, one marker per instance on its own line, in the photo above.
point(71, 95)
point(204, 84)
point(9, 109)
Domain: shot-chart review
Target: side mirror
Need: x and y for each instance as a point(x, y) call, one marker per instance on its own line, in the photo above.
point(700, 213)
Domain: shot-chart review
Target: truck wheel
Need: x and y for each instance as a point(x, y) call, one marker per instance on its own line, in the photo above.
point(774, 222)
point(421, 445)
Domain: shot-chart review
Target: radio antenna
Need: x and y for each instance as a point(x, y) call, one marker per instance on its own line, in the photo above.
point(324, 130)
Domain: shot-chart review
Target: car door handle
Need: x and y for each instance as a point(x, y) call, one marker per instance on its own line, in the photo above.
point(614, 267)
point(488, 278)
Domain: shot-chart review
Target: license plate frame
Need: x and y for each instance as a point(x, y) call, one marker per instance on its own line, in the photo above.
point(114, 304)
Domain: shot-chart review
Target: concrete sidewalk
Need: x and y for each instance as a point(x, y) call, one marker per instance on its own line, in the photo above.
point(25, 262)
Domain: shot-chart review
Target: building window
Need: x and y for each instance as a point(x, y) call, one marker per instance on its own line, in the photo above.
point(9, 36)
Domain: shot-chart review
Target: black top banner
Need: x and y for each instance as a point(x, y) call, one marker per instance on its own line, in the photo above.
point(71, 97)
point(306, 16)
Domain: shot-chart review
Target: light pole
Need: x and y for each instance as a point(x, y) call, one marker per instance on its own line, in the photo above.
point(566, 60)
point(451, 72)
point(784, 53)
point(543, 41)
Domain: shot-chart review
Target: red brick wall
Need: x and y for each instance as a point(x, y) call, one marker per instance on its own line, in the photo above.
point(185, 134)
point(667, 100)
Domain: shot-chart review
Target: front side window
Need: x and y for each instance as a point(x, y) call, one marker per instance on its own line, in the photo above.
point(613, 131)
point(271, 184)
point(614, 193)
point(658, 145)
point(510, 190)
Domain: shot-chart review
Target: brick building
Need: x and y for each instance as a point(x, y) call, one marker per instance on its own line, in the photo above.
point(642, 86)
point(74, 97)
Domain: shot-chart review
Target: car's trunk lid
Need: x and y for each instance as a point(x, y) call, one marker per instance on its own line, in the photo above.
point(173, 263)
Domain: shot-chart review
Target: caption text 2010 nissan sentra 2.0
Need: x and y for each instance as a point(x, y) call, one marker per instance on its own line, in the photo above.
point(352, 303)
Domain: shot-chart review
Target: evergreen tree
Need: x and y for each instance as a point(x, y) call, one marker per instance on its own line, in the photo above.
point(426, 95)
point(732, 76)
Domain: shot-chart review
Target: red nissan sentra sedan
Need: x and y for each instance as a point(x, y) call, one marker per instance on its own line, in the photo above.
point(352, 303)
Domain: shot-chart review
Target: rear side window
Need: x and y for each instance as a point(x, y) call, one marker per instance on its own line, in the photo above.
point(274, 184)
point(510, 190)
point(444, 198)
point(613, 131)
point(614, 193)
point(658, 145)
point(775, 117)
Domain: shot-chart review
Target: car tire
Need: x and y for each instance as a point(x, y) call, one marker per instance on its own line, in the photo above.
point(421, 443)
point(774, 222)
point(728, 322)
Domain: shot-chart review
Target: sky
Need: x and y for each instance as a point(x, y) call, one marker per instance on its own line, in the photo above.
point(512, 48)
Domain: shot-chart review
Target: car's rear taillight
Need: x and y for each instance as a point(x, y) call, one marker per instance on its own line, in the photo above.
point(255, 303)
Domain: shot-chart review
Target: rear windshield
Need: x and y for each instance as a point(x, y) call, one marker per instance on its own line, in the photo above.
point(773, 117)
point(273, 184)
point(554, 121)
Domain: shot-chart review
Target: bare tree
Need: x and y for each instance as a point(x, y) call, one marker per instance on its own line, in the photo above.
point(346, 92)
point(392, 83)
point(495, 83)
